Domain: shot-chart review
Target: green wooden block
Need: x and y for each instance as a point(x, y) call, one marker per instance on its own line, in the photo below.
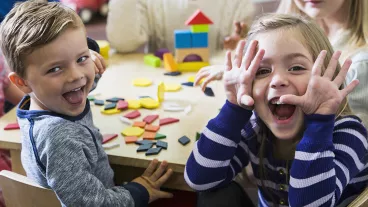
point(160, 136)
point(152, 60)
point(198, 135)
point(199, 28)
point(91, 98)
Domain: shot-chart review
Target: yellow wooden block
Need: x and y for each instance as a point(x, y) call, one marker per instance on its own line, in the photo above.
point(149, 103)
point(192, 66)
point(134, 104)
point(110, 111)
point(161, 92)
point(132, 131)
point(172, 87)
point(169, 62)
point(104, 48)
point(204, 53)
point(192, 78)
point(142, 82)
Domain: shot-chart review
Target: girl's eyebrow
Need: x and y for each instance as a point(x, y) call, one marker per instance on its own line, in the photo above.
point(287, 57)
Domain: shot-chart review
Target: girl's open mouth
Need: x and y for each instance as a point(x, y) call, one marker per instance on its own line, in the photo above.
point(281, 111)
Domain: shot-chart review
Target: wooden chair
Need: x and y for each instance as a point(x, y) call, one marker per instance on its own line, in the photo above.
point(19, 190)
point(361, 200)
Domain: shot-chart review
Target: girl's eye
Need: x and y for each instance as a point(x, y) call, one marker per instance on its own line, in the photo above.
point(296, 68)
point(82, 59)
point(263, 71)
point(54, 70)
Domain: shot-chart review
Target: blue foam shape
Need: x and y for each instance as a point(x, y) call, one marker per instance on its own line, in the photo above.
point(199, 40)
point(183, 39)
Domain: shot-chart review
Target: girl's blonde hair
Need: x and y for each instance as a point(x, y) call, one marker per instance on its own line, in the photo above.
point(357, 20)
point(312, 38)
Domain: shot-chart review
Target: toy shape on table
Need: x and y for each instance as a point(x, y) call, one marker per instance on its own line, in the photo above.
point(122, 105)
point(108, 137)
point(198, 135)
point(144, 142)
point(152, 128)
point(99, 102)
point(142, 82)
point(161, 144)
point(176, 73)
point(134, 104)
point(160, 136)
point(144, 97)
point(191, 84)
point(130, 139)
point(140, 124)
point(192, 79)
point(172, 87)
point(160, 53)
point(188, 109)
point(149, 135)
point(110, 106)
point(161, 92)
point(110, 145)
point(133, 114)
point(144, 147)
point(114, 99)
point(149, 103)
point(133, 131)
point(170, 63)
point(90, 98)
point(152, 60)
point(150, 118)
point(126, 120)
point(153, 151)
point(12, 126)
point(110, 111)
point(184, 140)
point(192, 66)
point(104, 48)
point(167, 121)
point(173, 108)
point(209, 92)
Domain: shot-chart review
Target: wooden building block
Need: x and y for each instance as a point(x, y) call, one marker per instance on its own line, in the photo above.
point(169, 62)
point(198, 28)
point(149, 135)
point(204, 53)
point(140, 124)
point(182, 38)
point(152, 60)
point(152, 128)
point(192, 66)
point(199, 40)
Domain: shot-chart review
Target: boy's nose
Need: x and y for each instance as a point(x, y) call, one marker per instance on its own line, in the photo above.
point(279, 81)
point(75, 74)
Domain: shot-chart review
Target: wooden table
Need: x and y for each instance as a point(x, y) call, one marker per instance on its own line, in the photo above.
point(117, 82)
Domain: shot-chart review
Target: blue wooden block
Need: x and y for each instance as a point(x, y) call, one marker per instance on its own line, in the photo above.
point(183, 39)
point(184, 140)
point(161, 144)
point(199, 40)
point(144, 147)
point(99, 102)
point(153, 151)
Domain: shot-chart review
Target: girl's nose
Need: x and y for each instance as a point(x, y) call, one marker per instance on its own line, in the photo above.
point(279, 81)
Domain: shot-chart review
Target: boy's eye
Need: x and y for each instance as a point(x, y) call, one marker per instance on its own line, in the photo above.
point(54, 70)
point(82, 59)
point(263, 71)
point(296, 68)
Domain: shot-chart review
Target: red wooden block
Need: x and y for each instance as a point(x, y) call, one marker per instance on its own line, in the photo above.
point(149, 135)
point(150, 118)
point(140, 124)
point(152, 128)
point(11, 126)
point(166, 121)
point(108, 137)
point(122, 105)
point(198, 18)
point(131, 139)
point(133, 114)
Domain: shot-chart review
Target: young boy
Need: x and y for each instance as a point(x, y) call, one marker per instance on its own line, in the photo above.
point(45, 46)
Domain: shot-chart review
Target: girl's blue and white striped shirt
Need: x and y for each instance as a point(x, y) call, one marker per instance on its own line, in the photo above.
point(329, 168)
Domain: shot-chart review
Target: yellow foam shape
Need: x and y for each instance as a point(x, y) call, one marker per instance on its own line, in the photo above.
point(110, 111)
point(149, 103)
point(134, 104)
point(192, 78)
point(132, 131)
point(192, 66)
point(172, 87)
point(169, 62)
point(104, 48)
point(161, 92)
point(142, 82)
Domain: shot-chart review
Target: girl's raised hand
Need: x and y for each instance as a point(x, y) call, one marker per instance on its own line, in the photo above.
point(240, 73)
point(323, 95)
point(208, 74)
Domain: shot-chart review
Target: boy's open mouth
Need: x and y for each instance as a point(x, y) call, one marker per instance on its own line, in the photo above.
point(74, 96)
point(279, 110)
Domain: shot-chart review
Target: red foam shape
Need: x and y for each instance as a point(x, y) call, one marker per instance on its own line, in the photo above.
point(198, 18)
point(150, 118)
point(11, 126)
point(133, 114)
point(166, 121)
point(108, 137)
point(122, 105)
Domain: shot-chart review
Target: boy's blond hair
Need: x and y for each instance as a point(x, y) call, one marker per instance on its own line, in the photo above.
point(30, 25)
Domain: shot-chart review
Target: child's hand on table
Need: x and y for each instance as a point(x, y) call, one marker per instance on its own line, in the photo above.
point(152, 179)
point(209, 73)
point(100, 64)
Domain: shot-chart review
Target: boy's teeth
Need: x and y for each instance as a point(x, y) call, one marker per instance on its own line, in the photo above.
point(77, 89)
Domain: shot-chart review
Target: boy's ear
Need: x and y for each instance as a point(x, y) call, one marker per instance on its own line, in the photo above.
point(19, 82)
